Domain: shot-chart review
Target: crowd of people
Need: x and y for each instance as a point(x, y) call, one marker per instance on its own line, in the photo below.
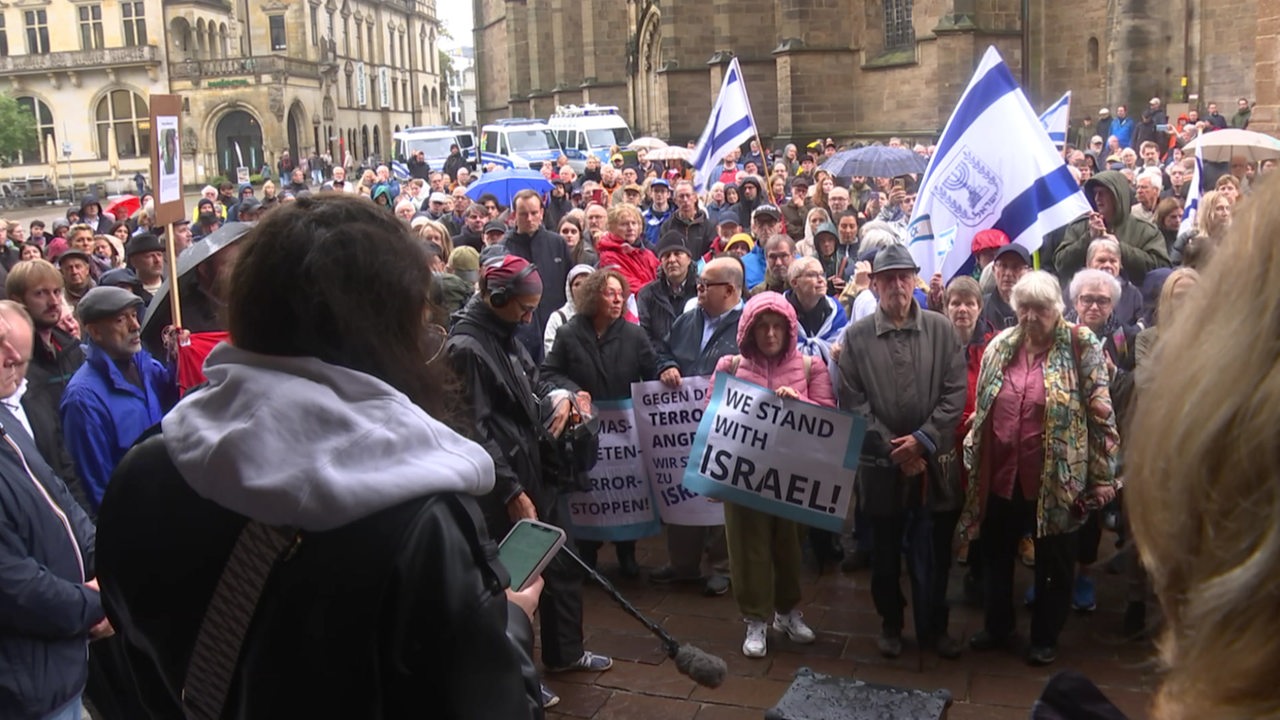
point(419, 382)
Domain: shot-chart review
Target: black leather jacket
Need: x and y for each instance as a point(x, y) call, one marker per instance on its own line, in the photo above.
point(401, 609)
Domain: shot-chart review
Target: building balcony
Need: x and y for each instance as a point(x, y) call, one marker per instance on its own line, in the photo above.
point(231, 72)
point(80, 61)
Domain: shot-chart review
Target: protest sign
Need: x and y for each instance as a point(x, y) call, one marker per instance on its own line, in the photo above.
point(782, 457)
point(619, 505)
point(667, 420)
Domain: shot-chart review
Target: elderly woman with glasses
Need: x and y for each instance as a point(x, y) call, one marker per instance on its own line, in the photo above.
point(1040, 452)
point(820, 319)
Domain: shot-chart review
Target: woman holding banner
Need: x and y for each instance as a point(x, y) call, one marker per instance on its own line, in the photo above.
point(1041, 452)
point(764, 550)
point(599, 352)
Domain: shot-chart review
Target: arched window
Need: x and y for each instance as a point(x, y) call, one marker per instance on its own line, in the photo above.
point(34, 151)
point(124, 113)
point(1091, 52)
point(377, 143)
point(898, 30)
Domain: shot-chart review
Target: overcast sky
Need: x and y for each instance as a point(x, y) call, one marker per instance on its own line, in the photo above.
point(456, 16)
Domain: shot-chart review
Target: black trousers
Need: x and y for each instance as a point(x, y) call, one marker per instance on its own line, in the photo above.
point(1004, 525)
point(926, 539)
point(560, 607)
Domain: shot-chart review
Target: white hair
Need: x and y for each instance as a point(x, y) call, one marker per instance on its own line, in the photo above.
point(877, 235)
point(1038, 288)
point(801, 266)
point(1154, 176)
point(1103, 243)
point(1090, 277)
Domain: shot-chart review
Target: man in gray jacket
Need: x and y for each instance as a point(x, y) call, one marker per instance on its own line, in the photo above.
point(904, 371)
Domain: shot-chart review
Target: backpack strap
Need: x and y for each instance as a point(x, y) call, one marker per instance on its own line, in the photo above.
point(258, 550)
point(808, 369)
point(734, 363)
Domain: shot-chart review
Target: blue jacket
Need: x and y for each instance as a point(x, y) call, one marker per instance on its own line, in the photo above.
point(653, 222)
point(682, 349)
point(45, 609)
point(103, 414)
point(1123, 130)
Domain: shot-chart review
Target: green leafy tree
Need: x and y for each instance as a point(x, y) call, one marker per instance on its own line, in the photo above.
point(17, 129)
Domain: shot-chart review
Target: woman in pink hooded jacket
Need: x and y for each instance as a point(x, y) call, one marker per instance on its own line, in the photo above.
point(764, 550)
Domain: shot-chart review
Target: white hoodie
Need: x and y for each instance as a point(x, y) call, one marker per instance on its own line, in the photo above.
point(302, 443)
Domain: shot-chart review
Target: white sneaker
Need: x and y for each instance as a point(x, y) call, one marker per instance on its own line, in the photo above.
point(793, 625)
point(754, 645)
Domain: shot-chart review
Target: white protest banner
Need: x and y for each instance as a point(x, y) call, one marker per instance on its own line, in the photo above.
point(620, 504)
point(783, 457)
point(668, 421)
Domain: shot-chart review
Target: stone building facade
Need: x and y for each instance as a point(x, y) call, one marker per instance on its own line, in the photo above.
point(257, 77)
point(85, 71)
point(861, 68)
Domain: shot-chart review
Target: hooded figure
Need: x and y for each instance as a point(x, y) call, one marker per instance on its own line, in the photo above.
point(747, 205)
point(1142, 247)
point(381, 195)
point(566, 311)
point(101, 222)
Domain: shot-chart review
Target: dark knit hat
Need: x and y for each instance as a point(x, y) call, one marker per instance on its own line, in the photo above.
point(671, 241)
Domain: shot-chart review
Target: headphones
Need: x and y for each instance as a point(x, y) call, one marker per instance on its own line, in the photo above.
point(501, 295)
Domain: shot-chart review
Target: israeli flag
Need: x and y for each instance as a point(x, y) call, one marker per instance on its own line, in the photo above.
point(1192, 207)
point(729, 126)
point(1056, 118)
point(994, 168)
point(399, 170)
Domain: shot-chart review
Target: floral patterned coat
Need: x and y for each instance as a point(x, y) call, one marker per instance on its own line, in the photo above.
point(1080, 437)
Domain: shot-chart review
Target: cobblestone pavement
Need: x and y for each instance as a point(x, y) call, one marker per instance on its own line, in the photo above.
point(992, 686)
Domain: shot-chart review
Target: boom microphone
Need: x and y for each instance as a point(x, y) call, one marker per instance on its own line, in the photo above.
point(698, 665)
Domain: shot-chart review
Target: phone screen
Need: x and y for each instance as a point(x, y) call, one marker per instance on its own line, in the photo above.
point(527, 549)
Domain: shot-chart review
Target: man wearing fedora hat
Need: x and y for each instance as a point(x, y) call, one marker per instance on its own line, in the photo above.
point(902, 369)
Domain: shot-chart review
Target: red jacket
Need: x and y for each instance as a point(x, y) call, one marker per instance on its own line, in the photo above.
point(637, 264)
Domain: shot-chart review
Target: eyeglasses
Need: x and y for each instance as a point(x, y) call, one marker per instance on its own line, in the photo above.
point(437, 335)
point(611, 294)
point(1095, 300)
point(812, 275)
point(703, 285)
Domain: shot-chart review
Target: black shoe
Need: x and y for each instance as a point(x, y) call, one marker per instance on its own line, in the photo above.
point(1041, 656)
point(948, 647)
point(984, 641)
point(1135, 620)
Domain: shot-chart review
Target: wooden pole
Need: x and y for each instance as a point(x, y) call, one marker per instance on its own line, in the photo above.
point(175, 305)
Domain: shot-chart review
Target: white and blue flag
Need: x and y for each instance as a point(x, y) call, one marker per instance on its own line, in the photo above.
point(994, 168)
point(729, 126)
point(1056, 119)
point(1192, 206)
point(399, 170)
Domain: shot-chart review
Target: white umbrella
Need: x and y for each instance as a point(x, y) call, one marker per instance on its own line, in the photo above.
point(648, 143)
point(671, 152)
point(113, 153)
point(1222, 145)
point(51, 154)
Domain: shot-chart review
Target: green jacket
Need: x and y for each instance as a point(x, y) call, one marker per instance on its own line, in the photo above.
point(1241, 118)
point(1142, 247)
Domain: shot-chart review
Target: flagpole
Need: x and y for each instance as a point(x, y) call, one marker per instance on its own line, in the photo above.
point(175, 305)
point(764, 172)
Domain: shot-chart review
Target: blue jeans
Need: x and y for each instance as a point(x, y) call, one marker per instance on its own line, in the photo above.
point(71, 711)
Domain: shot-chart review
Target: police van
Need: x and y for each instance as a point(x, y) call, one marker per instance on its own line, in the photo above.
point(584, 130)
point(518, 143)
point(434, 142)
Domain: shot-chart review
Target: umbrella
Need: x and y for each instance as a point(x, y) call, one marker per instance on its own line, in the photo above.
point(504, 184)
point(648, 143)
point(875, 161)
point(1222, 145)
point(158, 314)
point(123, 207)
point(671, 152)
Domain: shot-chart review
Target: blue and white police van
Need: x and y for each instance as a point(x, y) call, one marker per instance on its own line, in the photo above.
point(584, 130)
point(518, 143)
point(434, 141)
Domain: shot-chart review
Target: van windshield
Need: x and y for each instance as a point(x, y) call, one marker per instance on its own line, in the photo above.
point(605, 137)
point(523, 141)
point(430, 147)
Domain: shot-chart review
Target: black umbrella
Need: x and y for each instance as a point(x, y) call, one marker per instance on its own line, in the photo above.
point(875, 161)
point(190, 258)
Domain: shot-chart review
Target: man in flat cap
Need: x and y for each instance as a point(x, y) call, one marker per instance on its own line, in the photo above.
point(117, 393)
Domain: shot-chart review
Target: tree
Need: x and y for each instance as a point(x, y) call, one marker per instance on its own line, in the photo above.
point(446, 71)
point(17, 129)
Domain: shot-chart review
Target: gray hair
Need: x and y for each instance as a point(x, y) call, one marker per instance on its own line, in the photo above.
point(1090, 277)
point(1039, 288)
point(1103, 243)
point(801, 266)
point(877, 235)
point(1152, 175)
